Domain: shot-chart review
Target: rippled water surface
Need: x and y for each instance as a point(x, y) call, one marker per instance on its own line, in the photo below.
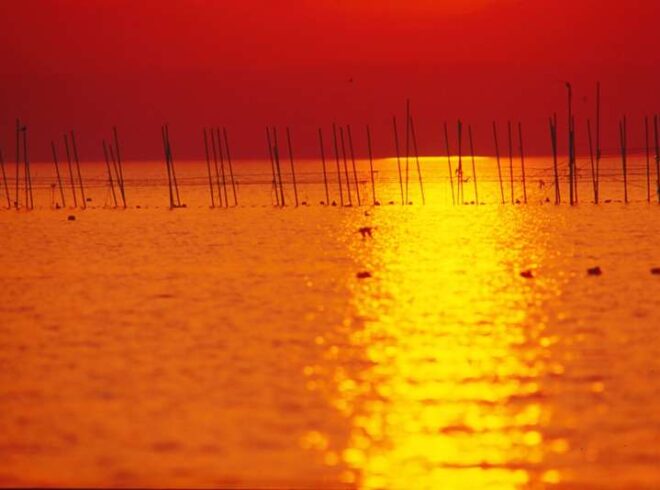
point(238, 348)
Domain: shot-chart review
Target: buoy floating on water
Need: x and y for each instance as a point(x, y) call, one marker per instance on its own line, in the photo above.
point(594, 271)
point(363, 275)
point(528, 274)
point(71, 217)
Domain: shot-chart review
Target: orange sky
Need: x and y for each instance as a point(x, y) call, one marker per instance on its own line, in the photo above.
point(92, 64)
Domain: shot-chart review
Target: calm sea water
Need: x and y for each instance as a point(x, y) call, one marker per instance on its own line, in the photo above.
point(238, 348)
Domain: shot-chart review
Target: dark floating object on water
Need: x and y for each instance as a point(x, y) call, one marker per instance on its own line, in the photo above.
point(594, 271)
point(365, 231)
point(89, 199)
point(71, 217)
point(391, 203)
point(363, 275)
point(528, 274)
point(334, 203)
point(376, 203)
point(655, 271)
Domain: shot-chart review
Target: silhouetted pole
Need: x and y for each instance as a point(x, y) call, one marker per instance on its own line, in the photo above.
point(511, 161)
point(107, 165)
point(648, 159)
point(111, 151)
point(272, 167)
point(474, 166)
point(74, 146)
point(334, 137)
point(343, 152)
point(598, 153)
point(4, 180)
point(120, 165)
point(57, 172)
point(419, 168)
point(576, 173)
point(29, 200)
point(657, 155)
point(231, 167)
point(214, 151)
point(398, 156)
point(293, 168)
point(325, 171)
point(497, 157)
point(70, 166)
point(276, 154)
point(174, 179)
point(571, 147)
point(18, 161)
point(355, 177)
point(451, 173)
point(221, 157)
point(623, 137)
point(371, 166)
point(461, 194)
point(407, 148)
point(208, 166)
point(553, 140)
point(593, 165)
point(167, 164)
point(522, 162)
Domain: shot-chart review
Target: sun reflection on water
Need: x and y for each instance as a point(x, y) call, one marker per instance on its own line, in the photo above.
point(446, 391)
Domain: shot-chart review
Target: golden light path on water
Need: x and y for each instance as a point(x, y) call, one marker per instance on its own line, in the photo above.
point(446, 394)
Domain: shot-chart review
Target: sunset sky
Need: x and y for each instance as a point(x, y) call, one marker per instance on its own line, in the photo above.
point(91, 64)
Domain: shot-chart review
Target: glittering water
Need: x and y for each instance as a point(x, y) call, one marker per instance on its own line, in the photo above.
point(238, 347)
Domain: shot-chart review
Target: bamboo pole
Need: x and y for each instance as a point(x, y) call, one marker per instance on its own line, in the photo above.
point(343, 153)
point(576, 173)
point(231, 167)
point(18, 161)
point(221, 158)
point(80, 180)
point(419, 168)
point(113, 160)
point(598, 152)
point(407, 147)
point(276, 154)
point(474, 166)
point(623, 138)
point(553, 139)
point(648, 159)
point(107, 165)
point(167, 164)
point(174, 179)
point(570, 143)
point(334, 136)
point(120, 165)
point(355, 176)
point(215, 151)
point(208, 166)
point(293, 168)
point(57, 172)
point(371, 167)
point(325, 172)
point(4, 180)
point(511, 161)
point(593, 164)
point(70, 165)
point(272, 167)
point(499, 165)
point(459, 171)
point(522, 162)
point(29, 199)
point(451, 173)
point(398, 157)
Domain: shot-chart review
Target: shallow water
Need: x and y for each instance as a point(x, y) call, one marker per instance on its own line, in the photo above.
point(237, 347)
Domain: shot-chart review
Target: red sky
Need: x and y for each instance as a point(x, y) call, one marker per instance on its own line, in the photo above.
point(89, 64)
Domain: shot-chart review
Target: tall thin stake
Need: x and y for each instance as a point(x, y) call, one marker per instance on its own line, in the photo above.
point(474, 166)
point(272, 167)
point(80, 179)
point(355, 177)
point(18, 161)
point(570, 143)
point(29, 200)
point(576, 172)
point(451, 173)
point(167, 164)
point(343, 153)
point(325, 172)
point(120, 164)
point(553, 139)
point(208, 166)
point(648, 159)
point(334, 137)
point(214, 150)
point(231, 167)
point(623, 137)
point(293, 167)
point(459, 171)
point(511, 161)
point(497, 157)
point(657, 155)
point(371, 166)
point(398, 157)
point(174, 180)
point(276, 154)
point(70, 165)
point(221, 157)
point(57, 171)
point(407, 146)
point(419, 167)
point(598, 153)
point(593, 164)
point(522, 162)
point(107, 165)
point(4, 180)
